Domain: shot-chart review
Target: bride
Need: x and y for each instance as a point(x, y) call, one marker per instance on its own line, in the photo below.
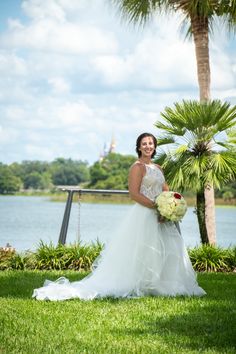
point(145, 256)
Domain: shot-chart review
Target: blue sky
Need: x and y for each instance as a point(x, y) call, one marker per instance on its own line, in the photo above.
point(73, 75)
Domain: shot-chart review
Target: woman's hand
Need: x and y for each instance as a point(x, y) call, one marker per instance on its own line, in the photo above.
point(161, 219)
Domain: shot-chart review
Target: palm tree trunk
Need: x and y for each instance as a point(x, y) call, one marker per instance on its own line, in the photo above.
point(200, 30)
point(201, 217)
point(210, 214)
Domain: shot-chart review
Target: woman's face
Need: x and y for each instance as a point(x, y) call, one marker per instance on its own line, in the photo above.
point(147, 147)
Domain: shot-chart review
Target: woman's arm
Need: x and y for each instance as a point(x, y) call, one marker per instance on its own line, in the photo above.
point(165, 187)
point(136, 174)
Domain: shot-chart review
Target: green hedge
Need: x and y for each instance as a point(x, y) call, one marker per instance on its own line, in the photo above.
point(208, 258)
point(80, 257)
point(47, 257)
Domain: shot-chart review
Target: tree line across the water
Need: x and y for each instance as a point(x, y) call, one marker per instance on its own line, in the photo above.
point(110, 173)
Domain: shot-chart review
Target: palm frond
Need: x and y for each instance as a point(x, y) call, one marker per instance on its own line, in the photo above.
point(195, 164)
point(223, 163)
point(203, 120)
point(220, 170)
point(226, 118)
point(181, 149)
point(165, 140)
point(226, 145)
point(227, 11)
point(141, 11)
point(208, 10)
point(231, 135)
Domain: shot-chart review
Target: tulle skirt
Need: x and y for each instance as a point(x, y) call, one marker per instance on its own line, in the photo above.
point(143, 258)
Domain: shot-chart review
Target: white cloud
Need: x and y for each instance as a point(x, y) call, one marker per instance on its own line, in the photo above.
point(114, 69)
point(164, 60)
point(222, 67)
point(38, 10)
point(59, 85)
point(15, 113)
point(34, 152)
point(12, 65)
point(7, 136)
point(72, 113)
point(72, 75)
point(155, 63)
point(51, 36)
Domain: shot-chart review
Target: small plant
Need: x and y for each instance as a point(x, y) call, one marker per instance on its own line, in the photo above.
point(49, 256)
point(6, 255)
point(77, 256)
point(81, 257)
point(231, 258)
point(208, 258)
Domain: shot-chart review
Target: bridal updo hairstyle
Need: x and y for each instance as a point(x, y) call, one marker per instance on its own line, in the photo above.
point(138, 143)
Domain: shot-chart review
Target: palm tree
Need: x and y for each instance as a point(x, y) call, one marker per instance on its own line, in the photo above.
point(200, 16)
point(203, 152)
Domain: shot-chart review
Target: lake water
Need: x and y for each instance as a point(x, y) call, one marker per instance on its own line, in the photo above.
point(24, 221)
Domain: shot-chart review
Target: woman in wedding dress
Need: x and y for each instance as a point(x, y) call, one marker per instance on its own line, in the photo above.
point(145, 256)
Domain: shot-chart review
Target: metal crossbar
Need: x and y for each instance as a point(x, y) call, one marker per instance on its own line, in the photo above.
point(71, 190)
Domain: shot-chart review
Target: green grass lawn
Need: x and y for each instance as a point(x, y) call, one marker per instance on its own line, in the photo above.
point(144, 325)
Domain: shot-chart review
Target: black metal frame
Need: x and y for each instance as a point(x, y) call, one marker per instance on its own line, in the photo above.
point(71, 190)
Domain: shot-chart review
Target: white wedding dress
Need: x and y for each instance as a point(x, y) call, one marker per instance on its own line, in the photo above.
point(143, 257)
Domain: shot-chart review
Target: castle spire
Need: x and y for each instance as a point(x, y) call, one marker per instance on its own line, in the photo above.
point(113, 144)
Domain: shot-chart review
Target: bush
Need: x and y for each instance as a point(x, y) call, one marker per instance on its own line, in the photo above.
point(6, 256)
point(209, 258)
point(81, 257)
point(232, 259)
point(10, 259)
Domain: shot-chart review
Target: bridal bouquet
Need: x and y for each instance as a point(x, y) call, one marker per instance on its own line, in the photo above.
point(171, 205)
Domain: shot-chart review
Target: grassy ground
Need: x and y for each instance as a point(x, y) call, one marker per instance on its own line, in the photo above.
point(145, 325)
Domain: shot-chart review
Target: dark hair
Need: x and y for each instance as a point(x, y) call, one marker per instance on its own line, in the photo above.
point(138, 143)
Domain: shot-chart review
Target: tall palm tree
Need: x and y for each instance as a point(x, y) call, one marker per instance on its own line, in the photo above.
point(200, 15)
point(201, 149)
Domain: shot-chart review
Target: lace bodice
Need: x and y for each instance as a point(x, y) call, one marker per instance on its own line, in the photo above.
point(152, 182)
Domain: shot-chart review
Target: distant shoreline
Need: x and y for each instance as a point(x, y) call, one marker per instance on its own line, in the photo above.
point(113, 199)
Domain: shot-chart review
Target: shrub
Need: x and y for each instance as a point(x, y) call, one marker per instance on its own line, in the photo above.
point(209, 258)
point(77, 256)
point(6, 256)
point(232, 258)
point(81, 257)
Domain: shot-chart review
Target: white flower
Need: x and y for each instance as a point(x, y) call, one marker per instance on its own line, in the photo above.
point(171, 205)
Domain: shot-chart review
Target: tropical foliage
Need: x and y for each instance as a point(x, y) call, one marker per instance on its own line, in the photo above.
point(200, 149)
point(46, 257)
point(208, 258)
point(80, 257)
